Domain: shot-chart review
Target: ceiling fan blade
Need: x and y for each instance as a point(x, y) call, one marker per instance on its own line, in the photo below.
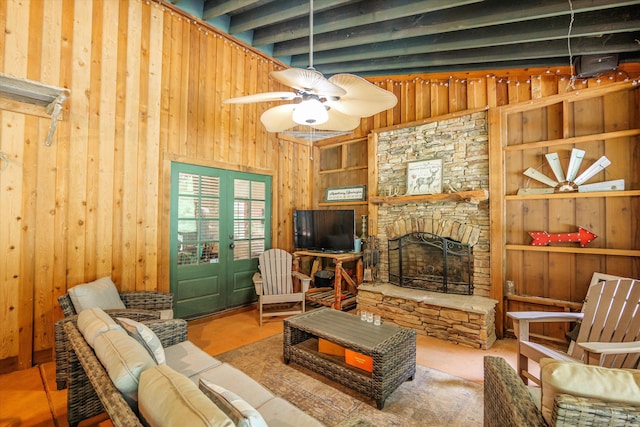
point(556, 166)
point(338, 121)
point(307, 80)
point(598, 166)
point(262, 97)
point(279, 118)
point(363, 99)
point(574, 163)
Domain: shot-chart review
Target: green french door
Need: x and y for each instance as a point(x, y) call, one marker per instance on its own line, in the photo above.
point(220, 224)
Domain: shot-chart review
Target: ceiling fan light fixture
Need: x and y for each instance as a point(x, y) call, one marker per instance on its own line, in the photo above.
point(310, 112)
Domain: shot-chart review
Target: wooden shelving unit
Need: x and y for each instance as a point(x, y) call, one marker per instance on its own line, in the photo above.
point(602, 122)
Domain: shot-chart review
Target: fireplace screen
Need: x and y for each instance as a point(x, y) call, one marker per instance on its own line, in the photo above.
point(430, 262)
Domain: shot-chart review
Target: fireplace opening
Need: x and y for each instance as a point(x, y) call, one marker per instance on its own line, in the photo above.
point(430, 262)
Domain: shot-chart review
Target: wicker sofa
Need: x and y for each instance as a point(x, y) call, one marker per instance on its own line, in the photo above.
point(91, 390)
point(140, 306)
point(508, 402)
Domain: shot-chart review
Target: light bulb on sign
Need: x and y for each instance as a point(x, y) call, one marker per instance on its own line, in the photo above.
point(310, 112)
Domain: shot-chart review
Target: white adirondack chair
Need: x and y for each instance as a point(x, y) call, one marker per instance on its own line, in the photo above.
point(609, 332)
point(274, 284)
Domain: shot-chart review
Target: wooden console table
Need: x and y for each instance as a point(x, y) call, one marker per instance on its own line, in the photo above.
point(340, 274)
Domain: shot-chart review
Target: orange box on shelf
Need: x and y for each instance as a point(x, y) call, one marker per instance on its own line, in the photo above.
point(358, 360)
point(328, 347)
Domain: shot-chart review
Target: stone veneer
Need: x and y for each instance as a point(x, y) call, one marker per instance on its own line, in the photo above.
point(460, 319)
point(462, 144)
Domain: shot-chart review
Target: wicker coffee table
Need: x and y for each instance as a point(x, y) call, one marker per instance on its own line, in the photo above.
point(391, 348)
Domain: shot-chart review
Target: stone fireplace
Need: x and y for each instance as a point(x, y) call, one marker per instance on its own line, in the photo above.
point(461, 143)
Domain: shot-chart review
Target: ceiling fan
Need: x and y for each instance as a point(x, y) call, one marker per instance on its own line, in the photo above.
point(571, 181)
point(337, 103)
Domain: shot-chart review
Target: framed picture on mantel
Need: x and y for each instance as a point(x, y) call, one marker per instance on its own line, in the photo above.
point(424, 177)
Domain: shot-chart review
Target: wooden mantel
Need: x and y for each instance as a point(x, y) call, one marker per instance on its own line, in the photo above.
point(471, 196)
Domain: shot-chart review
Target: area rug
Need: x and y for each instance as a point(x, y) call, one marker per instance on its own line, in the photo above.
point(433, 398)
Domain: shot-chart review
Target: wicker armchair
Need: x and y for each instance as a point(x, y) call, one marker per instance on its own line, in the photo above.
point(507, 402)
point(141, 306)
point(91, 391)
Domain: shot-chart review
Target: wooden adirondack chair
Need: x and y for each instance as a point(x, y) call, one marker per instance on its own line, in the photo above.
point(274, 284)
point(609, 332)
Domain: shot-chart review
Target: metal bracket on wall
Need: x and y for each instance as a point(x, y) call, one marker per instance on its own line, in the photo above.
point(34, 98)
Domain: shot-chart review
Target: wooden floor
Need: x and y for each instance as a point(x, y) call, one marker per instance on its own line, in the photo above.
point(30, 398)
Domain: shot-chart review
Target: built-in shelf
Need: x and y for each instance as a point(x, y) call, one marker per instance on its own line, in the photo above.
point(574, 250)
point(33, 98)
point(471, 196)
point(575, 195)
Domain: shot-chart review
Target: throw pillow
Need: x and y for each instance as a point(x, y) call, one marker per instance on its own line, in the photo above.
point(93, 322)
point(577, 379)
point(146, 337)
point(242, 414)
point(99, 293)
point(124, 359)
point(168, 398)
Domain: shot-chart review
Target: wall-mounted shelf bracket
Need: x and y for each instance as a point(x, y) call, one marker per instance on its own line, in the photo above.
point(33, 98)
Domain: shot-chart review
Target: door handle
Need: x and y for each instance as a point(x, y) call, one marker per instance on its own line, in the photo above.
point(232, 245)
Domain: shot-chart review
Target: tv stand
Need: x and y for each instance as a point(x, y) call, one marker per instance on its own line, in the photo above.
point(340, 275)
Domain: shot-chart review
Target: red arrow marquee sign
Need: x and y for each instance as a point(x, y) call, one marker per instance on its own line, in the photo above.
point(542, 238)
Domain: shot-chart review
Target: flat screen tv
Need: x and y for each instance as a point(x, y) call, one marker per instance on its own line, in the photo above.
point(324, 230)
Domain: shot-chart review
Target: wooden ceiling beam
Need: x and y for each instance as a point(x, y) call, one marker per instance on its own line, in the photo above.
point(464, 18)
point(594, 24)
point(616, 43)
point(353, 15)
point(214, 8)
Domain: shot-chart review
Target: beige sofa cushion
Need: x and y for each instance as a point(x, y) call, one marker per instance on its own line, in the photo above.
point(125, 359)
point(168, 398)
point(577, 379)
point(145, 336)
point(99, 293)
point(189, 359)
point(93, 322)
point(236, 408)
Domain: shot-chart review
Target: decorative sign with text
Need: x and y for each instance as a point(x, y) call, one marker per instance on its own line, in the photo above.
point(346, 194)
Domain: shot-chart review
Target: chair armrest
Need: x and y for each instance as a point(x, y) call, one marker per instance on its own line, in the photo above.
point(507, 401)
point(257, 282)
point(61, 341)
point(611, 347)
point(169, 331)
point(544, 316)
point(147, 300)
point(91, 391)
point(306, 280)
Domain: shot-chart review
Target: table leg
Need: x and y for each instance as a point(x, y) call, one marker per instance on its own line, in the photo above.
point(337, 287)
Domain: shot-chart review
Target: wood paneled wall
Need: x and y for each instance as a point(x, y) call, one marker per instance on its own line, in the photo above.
point(147, 84)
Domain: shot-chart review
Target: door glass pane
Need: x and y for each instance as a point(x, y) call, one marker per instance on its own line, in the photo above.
point(241, 250)
point(242, 189)
point(249, 218)
point(257, 247)
point(198, 219)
